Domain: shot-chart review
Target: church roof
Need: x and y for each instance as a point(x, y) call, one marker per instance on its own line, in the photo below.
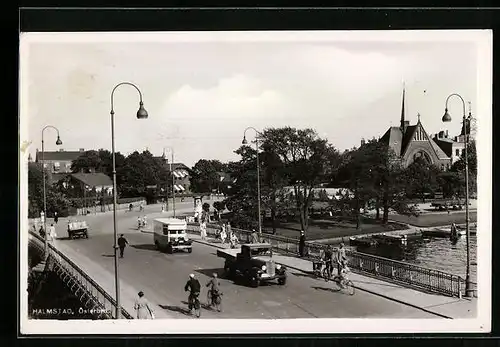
point(440, 153)
point(410, 131)
point(393, 138)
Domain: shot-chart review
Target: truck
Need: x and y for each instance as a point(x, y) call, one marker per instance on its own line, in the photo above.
point(78, 229)
point(253, 263)
point(170, 235)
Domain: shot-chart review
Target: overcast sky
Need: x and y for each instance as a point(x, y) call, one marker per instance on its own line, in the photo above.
point(201, 95)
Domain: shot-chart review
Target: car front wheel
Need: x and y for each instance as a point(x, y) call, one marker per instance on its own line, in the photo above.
point(254, 282)
point(282, 281)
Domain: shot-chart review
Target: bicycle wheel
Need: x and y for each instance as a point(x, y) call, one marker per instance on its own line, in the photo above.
point(336, 280)
point(209, 299)
point(218, 303)
point(326, 274)
point(349, 287)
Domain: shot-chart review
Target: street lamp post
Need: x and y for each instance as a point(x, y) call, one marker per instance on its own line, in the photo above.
point(257, 134)
point(58, 142)
point(447, 118)
point(141, 114)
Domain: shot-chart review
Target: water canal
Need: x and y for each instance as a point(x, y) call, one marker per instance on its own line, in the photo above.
point(434, 253)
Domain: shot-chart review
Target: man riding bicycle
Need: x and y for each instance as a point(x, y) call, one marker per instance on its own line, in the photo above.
point(194, 288)
point(328, 259)
point(214, 286)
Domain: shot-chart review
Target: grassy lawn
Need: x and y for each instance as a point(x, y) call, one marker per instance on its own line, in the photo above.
point(324, 229)
point(435, 219)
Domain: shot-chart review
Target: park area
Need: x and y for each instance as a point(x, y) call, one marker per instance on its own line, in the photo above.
point(332, 227)
point(435, 219)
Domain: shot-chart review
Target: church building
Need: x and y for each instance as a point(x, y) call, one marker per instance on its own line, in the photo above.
point(412, 141)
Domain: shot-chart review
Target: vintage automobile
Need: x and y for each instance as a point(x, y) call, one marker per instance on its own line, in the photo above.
point(170, 235)
point(78, 229)
point(253, 263)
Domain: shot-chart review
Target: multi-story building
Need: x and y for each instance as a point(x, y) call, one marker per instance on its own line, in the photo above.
point(57, 163)
point(181, 178)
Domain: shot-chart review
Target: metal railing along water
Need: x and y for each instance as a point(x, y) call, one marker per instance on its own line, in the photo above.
point(91, 294)
point(395, 271)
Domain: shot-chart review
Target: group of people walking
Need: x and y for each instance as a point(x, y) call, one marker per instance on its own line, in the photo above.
point(142, 222)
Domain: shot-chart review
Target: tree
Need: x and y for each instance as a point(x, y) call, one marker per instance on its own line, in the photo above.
point(273, 181)
point(56, 201)
point(242, 196)
point(375, 178)
point(35, 189)
point(306, 160)
point(422, 178)
point(451, 183)
point(459, 168)
point(205, 175)
point(141, 170)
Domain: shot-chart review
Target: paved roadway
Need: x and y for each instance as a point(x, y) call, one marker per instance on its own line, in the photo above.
point(162, 277)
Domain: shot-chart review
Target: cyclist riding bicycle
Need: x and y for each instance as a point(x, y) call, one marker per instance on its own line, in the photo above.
point(328, 259)
point(214, 286)
point(194, 288)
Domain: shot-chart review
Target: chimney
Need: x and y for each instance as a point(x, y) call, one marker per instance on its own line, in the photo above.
point(61, 150)
point(362, 142)
point(441, 134)
point(446, 134)
point(82, 149)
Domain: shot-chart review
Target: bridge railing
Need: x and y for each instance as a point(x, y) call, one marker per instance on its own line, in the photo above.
point(403, 273)
point(103, 304)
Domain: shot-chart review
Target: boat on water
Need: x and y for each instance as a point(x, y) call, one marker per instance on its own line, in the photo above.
point(446, 232)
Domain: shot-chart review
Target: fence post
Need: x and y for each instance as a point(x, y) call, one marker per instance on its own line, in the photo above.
point(376, 268)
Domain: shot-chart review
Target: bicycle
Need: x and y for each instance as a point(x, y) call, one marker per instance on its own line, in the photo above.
point(343, 282)
point(215, 300)
point(321, 270)
point(195, 303)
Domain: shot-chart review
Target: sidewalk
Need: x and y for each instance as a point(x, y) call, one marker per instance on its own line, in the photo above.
point(443, 306)
point(105, 279)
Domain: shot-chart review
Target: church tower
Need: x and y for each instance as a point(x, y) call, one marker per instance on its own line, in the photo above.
point(404, 123)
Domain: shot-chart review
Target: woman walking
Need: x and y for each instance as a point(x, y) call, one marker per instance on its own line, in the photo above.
point(143, 308)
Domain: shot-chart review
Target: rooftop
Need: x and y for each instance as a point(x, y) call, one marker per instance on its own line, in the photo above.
point(97, 179)
point(60, 155)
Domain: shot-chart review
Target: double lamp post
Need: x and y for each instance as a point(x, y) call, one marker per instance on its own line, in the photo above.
point(466, 127)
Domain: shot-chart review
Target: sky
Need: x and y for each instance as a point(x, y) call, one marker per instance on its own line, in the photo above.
point(201, 93)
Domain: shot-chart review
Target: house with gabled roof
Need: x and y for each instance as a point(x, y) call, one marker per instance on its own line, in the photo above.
point(410, 142)
point(56, 162)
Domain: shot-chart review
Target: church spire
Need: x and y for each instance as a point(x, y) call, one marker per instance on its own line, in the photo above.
point(402, 126)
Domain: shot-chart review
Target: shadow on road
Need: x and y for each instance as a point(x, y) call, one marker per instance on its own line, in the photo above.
point(299, 274)
point(146, 246)
point(326, 289)
point(202, 305)
point(179, 309)
point(210, 272)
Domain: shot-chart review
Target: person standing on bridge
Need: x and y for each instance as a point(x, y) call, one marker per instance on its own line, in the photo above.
point(122, 242)
point(341, 258)
point(56, 217)
point(143, 308)
point(302, 243)
point(52, 232)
